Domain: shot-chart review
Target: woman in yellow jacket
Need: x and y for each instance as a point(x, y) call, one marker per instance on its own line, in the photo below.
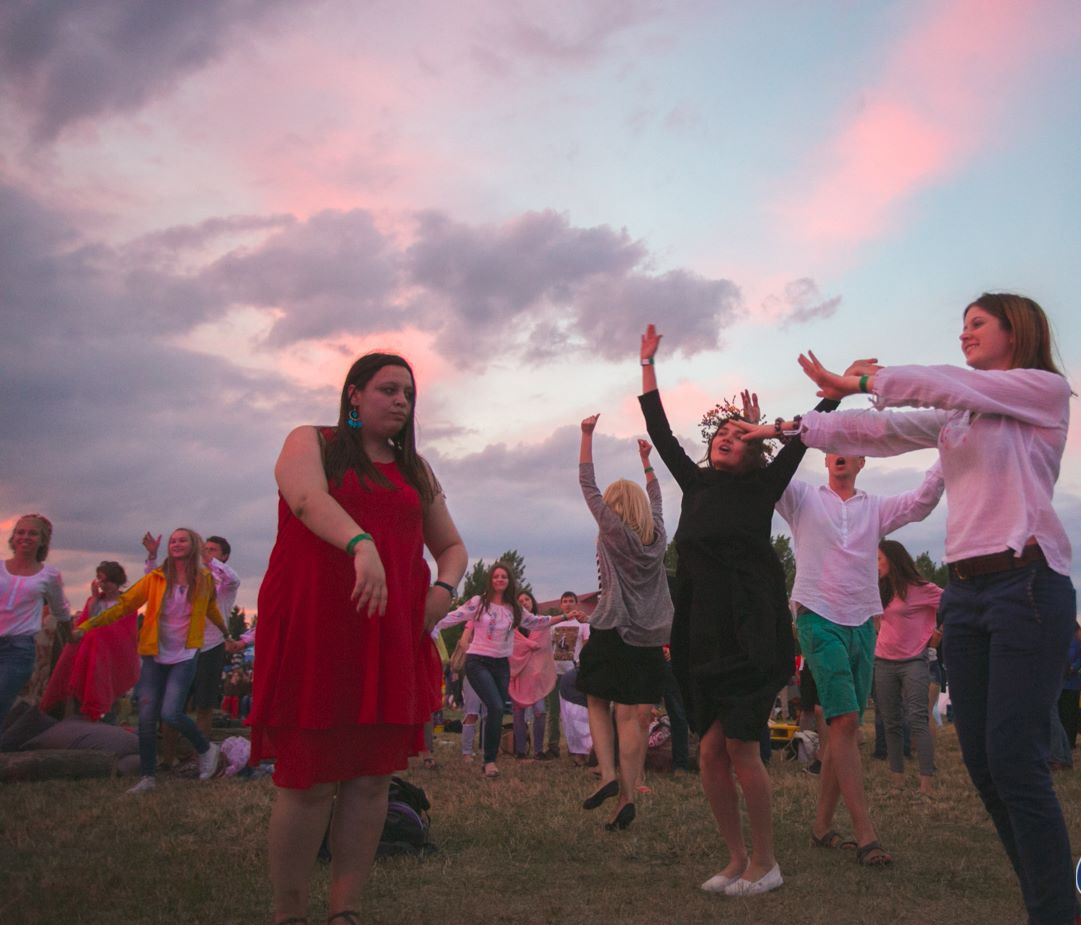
point(179, 599)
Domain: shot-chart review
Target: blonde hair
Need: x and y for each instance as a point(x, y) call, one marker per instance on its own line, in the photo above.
point(46, 534)
point(627, 499)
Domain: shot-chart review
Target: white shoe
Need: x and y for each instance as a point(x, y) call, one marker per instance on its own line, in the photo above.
point(208, 762)
point(718, 882)
point(145, 784)
point(770, 881)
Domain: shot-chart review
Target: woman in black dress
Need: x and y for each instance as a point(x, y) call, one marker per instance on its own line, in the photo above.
point(732, 645)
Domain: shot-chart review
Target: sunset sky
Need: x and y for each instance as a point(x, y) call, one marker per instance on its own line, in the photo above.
point(208, 210)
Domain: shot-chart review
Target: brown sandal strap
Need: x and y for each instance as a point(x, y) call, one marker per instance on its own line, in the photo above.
point(351, 917)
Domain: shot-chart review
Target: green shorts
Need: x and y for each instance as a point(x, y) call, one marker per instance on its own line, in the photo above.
point(842, 660)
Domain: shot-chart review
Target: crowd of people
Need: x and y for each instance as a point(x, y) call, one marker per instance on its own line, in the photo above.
point(717, 640)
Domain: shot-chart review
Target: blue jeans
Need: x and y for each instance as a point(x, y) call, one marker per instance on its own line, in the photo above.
point(16, 666)
point(1006, 642)
point(163, 693)
point(490, 678)
point(521, 732)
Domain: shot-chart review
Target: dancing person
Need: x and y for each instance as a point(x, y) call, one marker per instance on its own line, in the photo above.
point(100, 669)
point(1009, 608)
point(732, 645)
point(493, 617)
point(180, 598)
point(567, 641)
point(346, 674)
point(622, 664)
point(907, 628)
point(27, 584)
point(210, 663)
point(532, 676)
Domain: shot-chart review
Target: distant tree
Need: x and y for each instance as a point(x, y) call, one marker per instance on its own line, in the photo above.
point(782, 545)
point(938, 572)
point(238, 623)
point(476, 580)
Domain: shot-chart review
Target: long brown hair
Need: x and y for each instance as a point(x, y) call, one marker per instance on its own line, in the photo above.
point(510, 596)
point(346, 450)
point(902, 574)
point(193, 563)
point(1032, 342)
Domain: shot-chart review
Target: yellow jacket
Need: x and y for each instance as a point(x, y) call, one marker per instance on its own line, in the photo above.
point(150, 590)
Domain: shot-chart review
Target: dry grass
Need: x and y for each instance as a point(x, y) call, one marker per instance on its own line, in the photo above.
point(517, 850)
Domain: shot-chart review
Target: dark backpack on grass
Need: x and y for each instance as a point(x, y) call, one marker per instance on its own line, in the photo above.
point(405, 830)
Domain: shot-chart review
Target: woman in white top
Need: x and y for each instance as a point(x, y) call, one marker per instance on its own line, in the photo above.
point(1000, 428)
point(493, 617)
point(26, 585)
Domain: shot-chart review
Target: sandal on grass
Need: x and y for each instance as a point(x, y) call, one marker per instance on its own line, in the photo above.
point(833, 839)
point(350, 917)
point(873, 855)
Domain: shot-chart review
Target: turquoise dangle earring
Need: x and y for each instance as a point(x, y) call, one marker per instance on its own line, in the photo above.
point(354, 420)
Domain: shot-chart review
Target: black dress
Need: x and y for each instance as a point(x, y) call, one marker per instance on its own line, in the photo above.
point(732, 644)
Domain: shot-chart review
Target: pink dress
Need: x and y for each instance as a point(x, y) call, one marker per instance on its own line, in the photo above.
point(100, 668)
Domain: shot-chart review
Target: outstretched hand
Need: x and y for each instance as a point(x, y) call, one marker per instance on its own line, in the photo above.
point(750, 432)
point(866, 367)
point(651, 340)
point(151, 544)
point(644, 449)
point(751, 411)
point(589, 424)
point(830, 384)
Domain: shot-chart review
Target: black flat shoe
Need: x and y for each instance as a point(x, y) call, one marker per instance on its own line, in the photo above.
point(611, 789)
point(623, 818)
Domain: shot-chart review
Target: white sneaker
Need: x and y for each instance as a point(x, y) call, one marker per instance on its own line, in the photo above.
point(718, 882)
point(208, 762)
point(769, 881)
point(145, 784)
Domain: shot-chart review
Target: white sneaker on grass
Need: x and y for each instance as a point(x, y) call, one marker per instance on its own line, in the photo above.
point(208, 762)
point(145, 784)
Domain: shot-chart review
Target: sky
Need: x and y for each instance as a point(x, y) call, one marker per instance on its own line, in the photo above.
point(207, 211)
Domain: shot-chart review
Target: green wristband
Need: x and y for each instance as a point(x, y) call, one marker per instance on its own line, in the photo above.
point(648, 470)
point(352, 544)
point(863, 383)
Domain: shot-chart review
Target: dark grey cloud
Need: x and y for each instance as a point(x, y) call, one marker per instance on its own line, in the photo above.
point(64, 61)
point(800, 303)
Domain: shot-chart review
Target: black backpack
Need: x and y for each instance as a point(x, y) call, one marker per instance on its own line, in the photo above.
point(405, 830)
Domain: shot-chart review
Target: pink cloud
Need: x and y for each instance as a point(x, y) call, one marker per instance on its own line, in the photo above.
point(942, 90)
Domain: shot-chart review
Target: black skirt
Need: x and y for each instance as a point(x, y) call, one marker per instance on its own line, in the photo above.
point(612, 670)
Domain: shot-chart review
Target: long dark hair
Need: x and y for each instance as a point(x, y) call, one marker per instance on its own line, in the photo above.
point(346, 450)
point(902, 574)
point(510, 596)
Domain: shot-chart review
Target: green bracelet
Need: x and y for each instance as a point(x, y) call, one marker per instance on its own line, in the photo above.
point(352, 544)
point(863, 383)
point(648, 470)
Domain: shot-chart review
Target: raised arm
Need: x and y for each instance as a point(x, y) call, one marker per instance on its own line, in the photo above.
point(303, 484)
point(911, 506)
point(606, 518)
point(682, 467)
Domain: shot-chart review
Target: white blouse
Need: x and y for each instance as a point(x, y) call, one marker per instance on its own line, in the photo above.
point(1000, 435)
point(23, 599)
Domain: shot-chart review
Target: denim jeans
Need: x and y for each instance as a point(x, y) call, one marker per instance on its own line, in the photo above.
point(163, 693)
point(521, 732)
point(16, 666)
point(901, 701)
point(490, 678)
point(677, 719)
point(1006, 642)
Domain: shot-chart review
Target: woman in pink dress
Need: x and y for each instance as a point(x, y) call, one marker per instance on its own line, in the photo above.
point(104, 665)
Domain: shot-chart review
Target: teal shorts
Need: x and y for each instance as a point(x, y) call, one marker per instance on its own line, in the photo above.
point(842, 660)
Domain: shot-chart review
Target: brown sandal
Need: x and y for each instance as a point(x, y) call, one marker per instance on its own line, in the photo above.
point(351, 917)
point(873, 855)
point(833, 839)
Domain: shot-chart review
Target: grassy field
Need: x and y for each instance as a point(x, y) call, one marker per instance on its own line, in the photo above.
point(516, 850)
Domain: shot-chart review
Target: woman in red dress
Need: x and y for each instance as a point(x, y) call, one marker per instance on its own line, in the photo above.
point(105, 665)
point(347, 674)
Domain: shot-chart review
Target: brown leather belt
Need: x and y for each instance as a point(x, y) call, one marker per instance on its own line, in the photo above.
point(977, 566)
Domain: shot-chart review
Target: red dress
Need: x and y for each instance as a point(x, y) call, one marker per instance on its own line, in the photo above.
point(339, 694)
point(102, 667)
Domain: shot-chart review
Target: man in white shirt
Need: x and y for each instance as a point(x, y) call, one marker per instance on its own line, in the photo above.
point(836, 529)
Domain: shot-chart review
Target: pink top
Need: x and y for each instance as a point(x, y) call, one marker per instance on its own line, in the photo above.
point(493, 627)
point(907, 625)
point(532, 668)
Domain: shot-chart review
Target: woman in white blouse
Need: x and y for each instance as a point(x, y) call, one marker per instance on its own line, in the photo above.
point(26, 585)
point(1000, 428)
